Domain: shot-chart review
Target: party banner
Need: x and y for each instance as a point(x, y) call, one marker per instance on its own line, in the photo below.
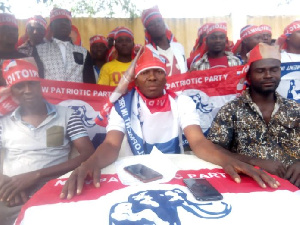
point(289, 86)
point(163, 204)
point(209, 89)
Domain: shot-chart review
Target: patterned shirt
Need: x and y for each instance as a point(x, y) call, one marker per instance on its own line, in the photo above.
point(240, 128)
point(203, 63)
point(27, 48)
point(74, 65)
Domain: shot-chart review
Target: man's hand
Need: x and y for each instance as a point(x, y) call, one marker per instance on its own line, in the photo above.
point(19, 199)
point(11, 186)
point(234, 167)
point(76, 180)
point(273, 167)
point(293, 174)
point(105, 155)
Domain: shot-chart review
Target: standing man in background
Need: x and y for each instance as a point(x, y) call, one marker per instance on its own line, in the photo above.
point(266, 33)
point(161, 40)
point(99, 51)
point(9, 33)
point(35, 32)
point(112, 72)
point(290, 43)
point(250, 37)
point(61, 59)
point(215, 55)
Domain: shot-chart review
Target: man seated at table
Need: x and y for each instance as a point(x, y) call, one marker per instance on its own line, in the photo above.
point(261, 127)
point(150, 115)
point(36, 139)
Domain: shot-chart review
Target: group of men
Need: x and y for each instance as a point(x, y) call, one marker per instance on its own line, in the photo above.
point(260, 128)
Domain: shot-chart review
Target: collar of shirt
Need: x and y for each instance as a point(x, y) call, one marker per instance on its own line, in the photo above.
point(62, 46)
point(57, 41)
point(247, 99)
point(16, 115)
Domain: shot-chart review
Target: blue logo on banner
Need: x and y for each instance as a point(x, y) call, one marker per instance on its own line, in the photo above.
point(289, 86)
point(161, 207)
point(204, 108)
point(293, 93)
point(81, 112)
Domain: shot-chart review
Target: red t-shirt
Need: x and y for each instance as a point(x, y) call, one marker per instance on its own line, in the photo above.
point(218, 62)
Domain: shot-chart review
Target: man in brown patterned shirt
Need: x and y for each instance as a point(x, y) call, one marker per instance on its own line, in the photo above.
point(261, 127)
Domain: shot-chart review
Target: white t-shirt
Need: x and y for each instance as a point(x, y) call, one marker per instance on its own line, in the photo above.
point(176, 61)
point(158, 127)
point(289, 57)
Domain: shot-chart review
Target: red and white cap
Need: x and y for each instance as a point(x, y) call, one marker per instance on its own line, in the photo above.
point(292, 27)
point(150, 14)
point(266, 29)
point(203, 28)
point(39, 19)
point(123, 31)
point(263, 51)
point(149, 60)
point(288, 30)
point(259, 52)
point(57, 13)
point(7, 19)
point(112, 33)
point(98, 39)
point(217, 27)
point(20, 70)
point(249, 31)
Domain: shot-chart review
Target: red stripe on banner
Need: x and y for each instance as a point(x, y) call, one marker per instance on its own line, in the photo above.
point(221, 181)
point(49, 194)
point(214, 82)
point(58, 91)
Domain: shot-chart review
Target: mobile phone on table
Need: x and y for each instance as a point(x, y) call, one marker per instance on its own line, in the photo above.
point(143, 173)
point(202, 189)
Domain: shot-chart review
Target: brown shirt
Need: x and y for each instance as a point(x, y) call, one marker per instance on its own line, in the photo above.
point(240, 128)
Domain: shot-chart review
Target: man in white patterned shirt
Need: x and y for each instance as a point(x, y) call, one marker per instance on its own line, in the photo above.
point(61, 59)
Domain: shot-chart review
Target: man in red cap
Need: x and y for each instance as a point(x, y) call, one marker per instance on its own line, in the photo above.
point(160, 39)
point(266, 33)
point(35, 31)
point(36, 139)
point(198, 51)
point(112, 72)
point(61, 59)
point(151, 116)
point(8, 40)
point(111, 38)
point(250, 37)
point(290, 43)
point(99, 52)
point(112, 54)
point(261, 127)
point(216, 56)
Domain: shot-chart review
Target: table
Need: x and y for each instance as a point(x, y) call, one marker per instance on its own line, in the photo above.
point(164, 203)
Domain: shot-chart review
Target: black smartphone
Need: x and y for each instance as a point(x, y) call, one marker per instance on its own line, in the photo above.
point(202, 189)
point(143, 173)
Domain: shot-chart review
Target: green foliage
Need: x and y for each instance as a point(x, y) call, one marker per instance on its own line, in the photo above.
point(102, 8)
point(4, 6)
